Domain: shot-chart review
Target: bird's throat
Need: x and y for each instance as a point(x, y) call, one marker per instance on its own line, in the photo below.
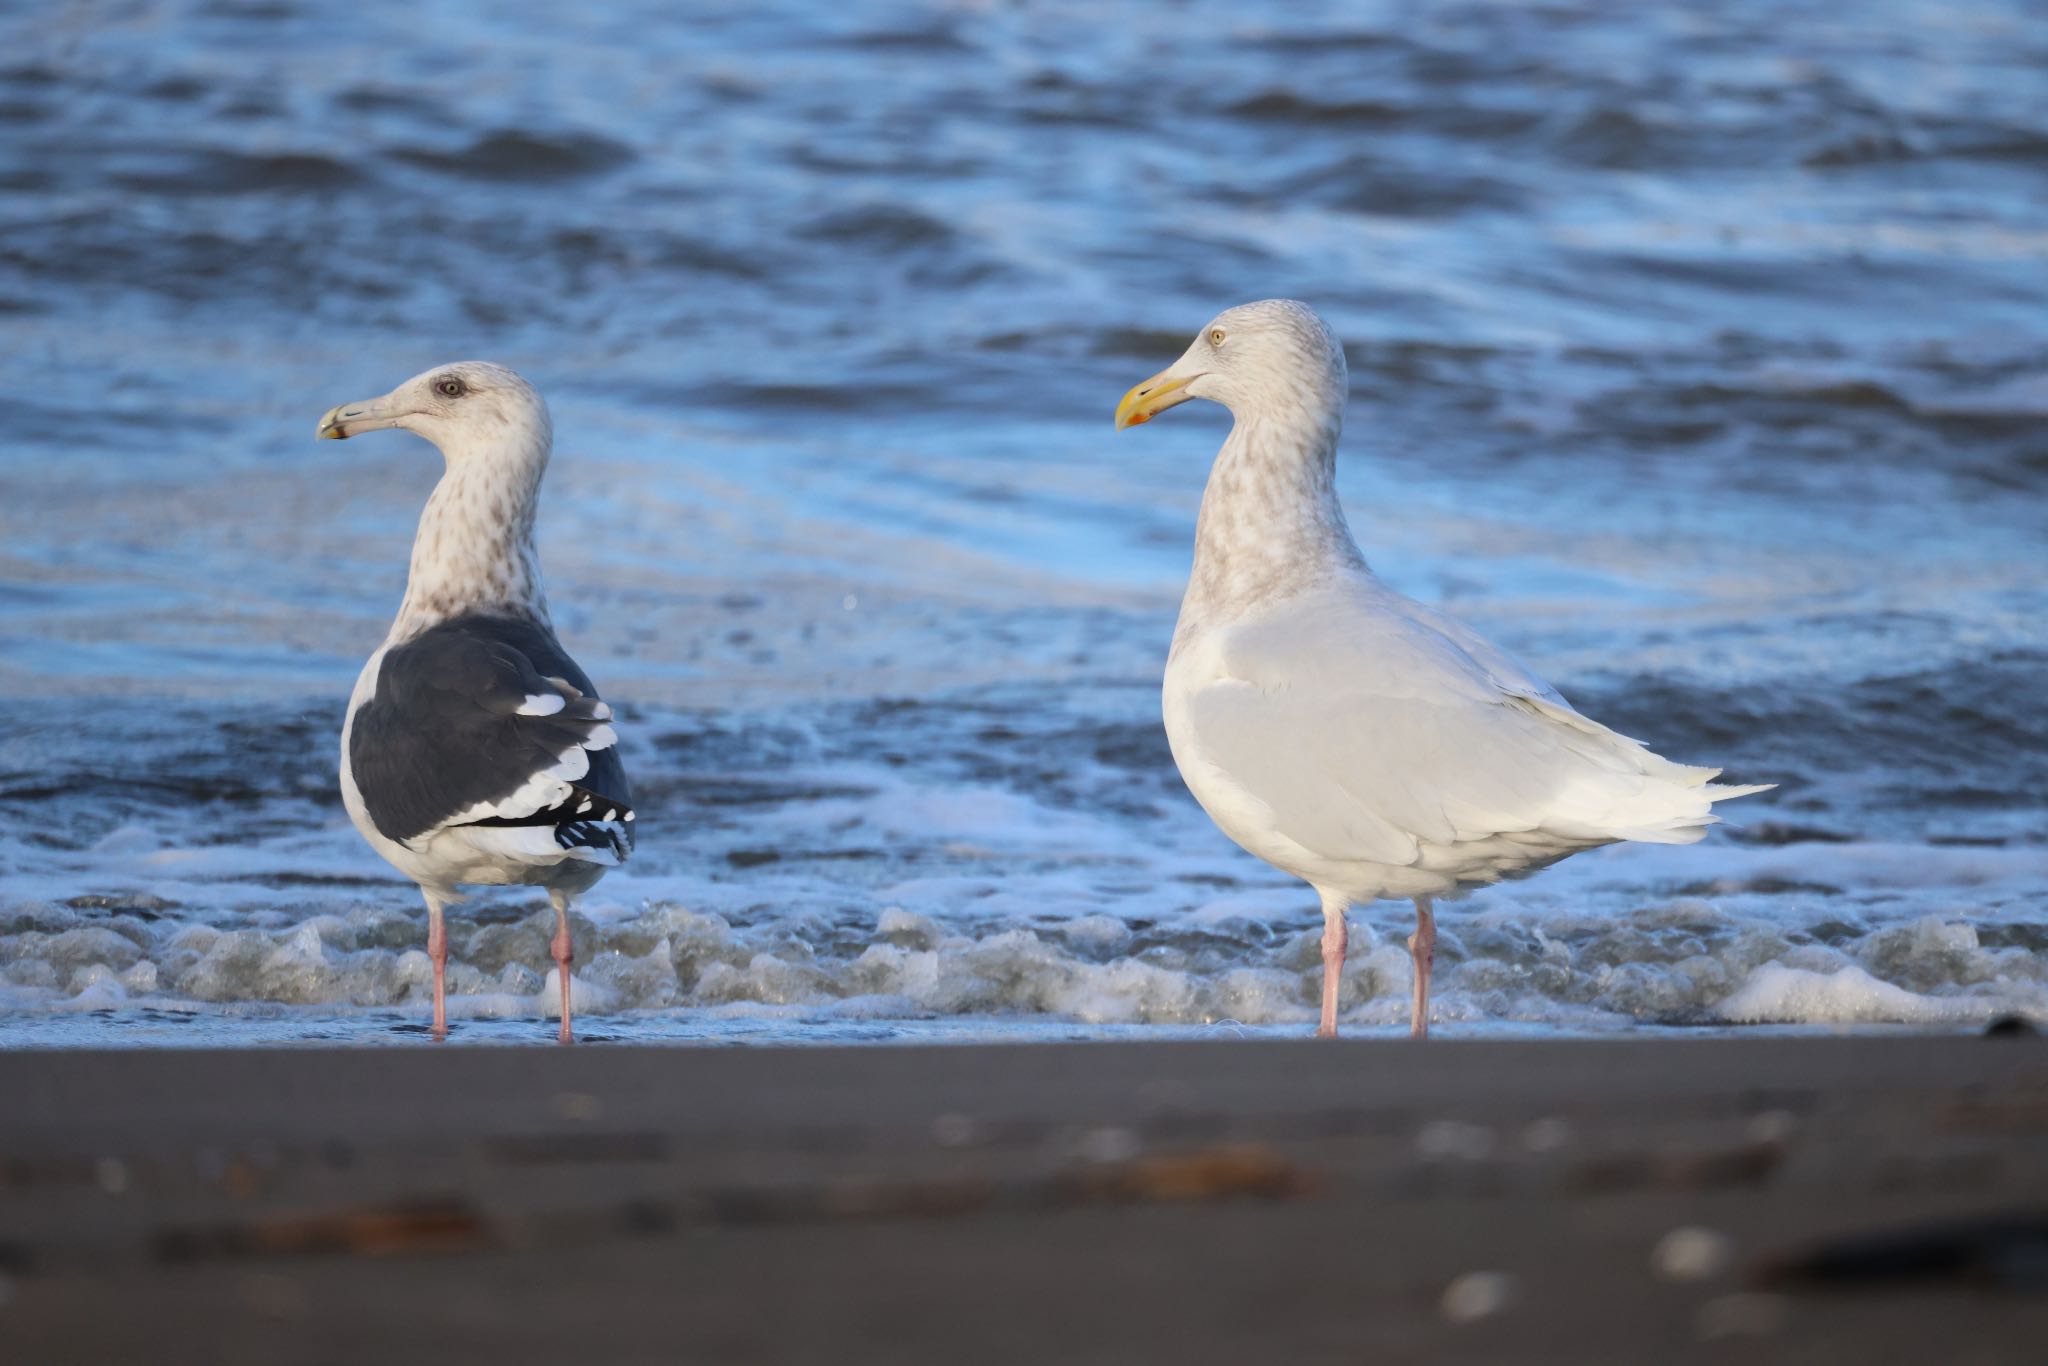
point(474, 551)
point(1271, 522)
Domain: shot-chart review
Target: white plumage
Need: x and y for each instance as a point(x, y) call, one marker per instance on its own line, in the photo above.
point(1341, 732)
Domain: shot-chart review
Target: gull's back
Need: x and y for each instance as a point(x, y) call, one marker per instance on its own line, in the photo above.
point(1371, 745)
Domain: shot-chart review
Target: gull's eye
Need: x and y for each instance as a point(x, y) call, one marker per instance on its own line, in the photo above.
point(450, 386)
point(1215, 336)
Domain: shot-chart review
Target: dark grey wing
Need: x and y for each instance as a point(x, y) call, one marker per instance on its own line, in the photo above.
point(484, 720)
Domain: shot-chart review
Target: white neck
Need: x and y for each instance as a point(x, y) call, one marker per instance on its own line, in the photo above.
point(1270, 523)
point(474, 551)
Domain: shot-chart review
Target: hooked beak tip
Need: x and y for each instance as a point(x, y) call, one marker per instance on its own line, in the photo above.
point(345, 420)
point(1146, 401)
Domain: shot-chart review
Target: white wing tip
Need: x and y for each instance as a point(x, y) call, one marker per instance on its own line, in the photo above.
point(1721, 792)
point(542, 704)
point(569, 768)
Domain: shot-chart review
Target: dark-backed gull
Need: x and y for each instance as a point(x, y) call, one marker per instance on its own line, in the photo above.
point(475, 750)
point(1362, 742)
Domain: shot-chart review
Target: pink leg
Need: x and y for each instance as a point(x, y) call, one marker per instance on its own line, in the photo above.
point(1422, 947)
point(563, 957)
point(437, 953)
point(1335, 939)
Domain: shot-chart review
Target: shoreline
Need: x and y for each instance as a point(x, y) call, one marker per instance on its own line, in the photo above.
point(1560, 1200)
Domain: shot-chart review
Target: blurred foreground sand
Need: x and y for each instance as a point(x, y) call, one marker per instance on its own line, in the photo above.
point(1762, 1200)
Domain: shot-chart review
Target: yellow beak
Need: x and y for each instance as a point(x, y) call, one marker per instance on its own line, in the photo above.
point(1152, 398)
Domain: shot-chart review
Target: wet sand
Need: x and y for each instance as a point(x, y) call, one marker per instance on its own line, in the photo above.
point(1760, 1199)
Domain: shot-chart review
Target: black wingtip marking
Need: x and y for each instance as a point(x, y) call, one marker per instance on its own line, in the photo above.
point(591, 835)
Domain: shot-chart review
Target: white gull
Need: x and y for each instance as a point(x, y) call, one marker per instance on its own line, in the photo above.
point(1343, 733)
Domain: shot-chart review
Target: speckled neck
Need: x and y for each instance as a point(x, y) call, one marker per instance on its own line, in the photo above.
point(474, 551)
point(1271, 523)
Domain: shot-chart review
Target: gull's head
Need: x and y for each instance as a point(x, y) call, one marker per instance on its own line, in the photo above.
point(1254, 356)
point(466, 406)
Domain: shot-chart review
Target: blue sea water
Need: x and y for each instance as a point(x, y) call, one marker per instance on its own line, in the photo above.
point(1699, 354)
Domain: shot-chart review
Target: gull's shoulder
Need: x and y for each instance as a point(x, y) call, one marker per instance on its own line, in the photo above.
point(1353, 632)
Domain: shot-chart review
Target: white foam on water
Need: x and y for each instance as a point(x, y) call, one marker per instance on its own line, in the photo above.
point(1681, 960)
point(1775, 993)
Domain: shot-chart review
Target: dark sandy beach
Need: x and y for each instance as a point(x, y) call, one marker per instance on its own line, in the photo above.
point(1807, 1199)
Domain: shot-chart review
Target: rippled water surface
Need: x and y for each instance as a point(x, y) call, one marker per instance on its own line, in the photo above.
point(1699, 353)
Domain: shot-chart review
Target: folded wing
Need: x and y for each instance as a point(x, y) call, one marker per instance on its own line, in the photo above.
point(1369, 730)
point(486, 722)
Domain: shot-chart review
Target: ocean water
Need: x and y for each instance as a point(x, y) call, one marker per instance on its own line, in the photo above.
point(1699, 354)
